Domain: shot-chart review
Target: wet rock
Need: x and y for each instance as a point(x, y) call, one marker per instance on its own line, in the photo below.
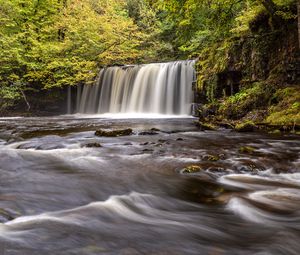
point(206, 126)
point(128, 143)
point(214, 169)
point(246, 127)
point(92, 145)
point(163, 141)
point(179, 139)
point(155, 129)
point(211, 157)
point(191, 169)
point(146, 143)
point(7, 215)
point(250, 166)
point(205, 191)
point(114, 133)
point(148, 133)
point(147, 150)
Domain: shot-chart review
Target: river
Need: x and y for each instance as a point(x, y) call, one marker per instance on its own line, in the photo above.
point(131, 196)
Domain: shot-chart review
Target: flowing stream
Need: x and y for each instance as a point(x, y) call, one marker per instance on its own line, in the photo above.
point(61, 195)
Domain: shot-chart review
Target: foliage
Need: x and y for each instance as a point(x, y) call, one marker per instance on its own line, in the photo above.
point(255, 97)
point(286, 107)
point(54, 43)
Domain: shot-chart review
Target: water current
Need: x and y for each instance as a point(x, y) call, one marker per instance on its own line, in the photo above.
point(60, 195)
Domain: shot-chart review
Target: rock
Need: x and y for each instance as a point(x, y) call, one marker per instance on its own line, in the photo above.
point(155, 129)
point(275, 132)
point(147, 150)
point(7, 215)
point(148, 133)
point(128, 143)
point(248, 126)
point(179, 139)
point(114, 133)
point(226, 125)
point(206, 126)
point(249, 168)
point(161, 141)
point(146, 143)
point(192, 169)
point(93, 145)
point(247, 149)
point(211, 157)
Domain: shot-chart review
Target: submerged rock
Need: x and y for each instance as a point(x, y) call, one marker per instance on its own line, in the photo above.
point(148, 150)
point(247, 149)
point(151, 132)
point(92, 145)
point(114, 133)
point(7, 215)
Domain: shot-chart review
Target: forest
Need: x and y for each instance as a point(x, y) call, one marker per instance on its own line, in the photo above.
point(246, 51)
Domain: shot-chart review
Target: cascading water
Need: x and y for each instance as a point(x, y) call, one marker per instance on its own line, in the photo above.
point(162, 88)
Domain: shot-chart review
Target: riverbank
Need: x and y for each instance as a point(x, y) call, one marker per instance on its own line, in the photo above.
point(259, 82)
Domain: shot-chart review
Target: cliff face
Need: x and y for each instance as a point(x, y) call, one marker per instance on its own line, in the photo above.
point(38, 103)
point(260, 69)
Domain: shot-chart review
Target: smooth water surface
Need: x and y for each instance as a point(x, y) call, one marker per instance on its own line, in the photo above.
point(58, 195)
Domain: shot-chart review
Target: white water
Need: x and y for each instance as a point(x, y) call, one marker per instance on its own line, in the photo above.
point(162, 88)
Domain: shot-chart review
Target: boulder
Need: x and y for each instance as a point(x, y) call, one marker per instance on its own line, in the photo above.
point(114, 133)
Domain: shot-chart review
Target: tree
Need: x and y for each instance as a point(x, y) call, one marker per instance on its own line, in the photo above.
point(62, 42)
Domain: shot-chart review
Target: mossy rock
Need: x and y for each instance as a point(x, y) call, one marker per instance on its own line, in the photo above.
point(206, 126)
point(211, 157)
point(248, 126)
point(247, 149)
point(191, 169)
point(114, 133)
point(275, 132)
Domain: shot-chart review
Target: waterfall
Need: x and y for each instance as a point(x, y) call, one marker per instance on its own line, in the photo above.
point(161, 88)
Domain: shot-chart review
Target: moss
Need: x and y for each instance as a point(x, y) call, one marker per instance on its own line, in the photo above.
point(192, 169)
point(286, 107)
point(211, 157)
point(238, 105)
point(206, 126)
point(247, 149)
point(247, 126)
point(275, 132)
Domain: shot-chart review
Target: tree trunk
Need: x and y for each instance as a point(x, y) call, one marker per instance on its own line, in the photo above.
point(270, 6)
point(26, 101)
point(298, 7)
